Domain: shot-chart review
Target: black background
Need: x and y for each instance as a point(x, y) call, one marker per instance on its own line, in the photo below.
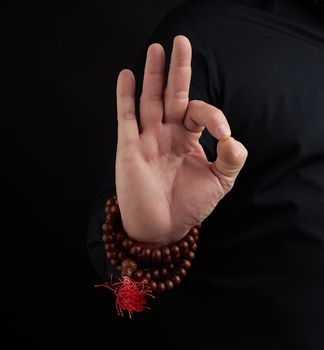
point(61, 62)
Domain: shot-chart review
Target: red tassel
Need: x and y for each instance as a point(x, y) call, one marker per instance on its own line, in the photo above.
point(130, 295)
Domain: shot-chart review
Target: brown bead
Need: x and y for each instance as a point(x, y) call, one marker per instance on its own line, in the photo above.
point(183, 245)
point(190, 255)
point(145, 281)
point(194, 247)
point(113, 208)
point(120, 236)
point(114, 262)
point(166, 255)
point(182, 272)
point(106, 245)
point(146, 255)
point(111, 237)
point(119, 268)
point(127, 243)
point(147, 275)
point(138, 274)
point(153, 285)
point(163, 272)
point(169, 284)
point(156, 255)
point(136, 250)
point(109, 201)
point(111, 247)
point(161, 287)
point(104, 227)
point(105, 237)
point(121, 255)
point(194, 232)
point(155, 274)
point(175, 250)
point(186, 264)
point(111, 255)
point(176, 279)
point(190, 240)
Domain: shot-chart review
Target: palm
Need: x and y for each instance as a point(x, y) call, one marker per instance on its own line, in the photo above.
point(165, 184)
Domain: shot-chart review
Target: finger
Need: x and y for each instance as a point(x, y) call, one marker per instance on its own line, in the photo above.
point(231, 156)
point(176, 94)
point(151, 101)
point(127, 123)
point(202, 115)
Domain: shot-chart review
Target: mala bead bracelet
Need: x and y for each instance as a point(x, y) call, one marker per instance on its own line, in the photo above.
point(143, 270)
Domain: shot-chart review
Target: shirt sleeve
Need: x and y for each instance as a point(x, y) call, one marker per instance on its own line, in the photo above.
point(203, 86)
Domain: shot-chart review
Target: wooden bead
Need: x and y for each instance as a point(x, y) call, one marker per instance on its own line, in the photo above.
point(146, 255)
point(169, 284)
point(175, 250)
point(166, 255)
point(145, 281)
point(186, 264)
point(153, 285)
point(163, 272)
point(195, 232)
point(120, 236)
point(104, 227)
point(105, 237)
point(182, 272)
point(111, 247)
point(190, 255)
point(194, 247)
point(156, 255)
point(176, 279)
point(114, 262)
point(138, 274)
point(121, 255)
point(155, 274)
point(106, 245)
point(111, 237)
point(161, 287)
point(184, 245)
point(113, 208)
point(127, 243)
point(111, 255)
point(147, 275)
point(190, 240)
point(135, 250)
point(109, 201)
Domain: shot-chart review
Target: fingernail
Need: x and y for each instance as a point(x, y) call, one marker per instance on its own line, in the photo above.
point(224, 130)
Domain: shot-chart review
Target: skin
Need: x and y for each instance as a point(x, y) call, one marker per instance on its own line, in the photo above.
point(165, 184)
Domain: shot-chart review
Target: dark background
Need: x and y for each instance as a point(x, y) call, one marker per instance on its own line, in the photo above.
point(59, 134)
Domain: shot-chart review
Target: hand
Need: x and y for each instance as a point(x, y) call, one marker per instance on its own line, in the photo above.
point(164, 182)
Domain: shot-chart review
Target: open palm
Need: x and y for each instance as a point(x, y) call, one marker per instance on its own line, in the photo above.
point(165, 184)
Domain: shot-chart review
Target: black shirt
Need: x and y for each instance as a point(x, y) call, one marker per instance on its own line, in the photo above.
point(257, 281)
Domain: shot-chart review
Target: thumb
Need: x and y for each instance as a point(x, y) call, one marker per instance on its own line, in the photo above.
point(231, 156)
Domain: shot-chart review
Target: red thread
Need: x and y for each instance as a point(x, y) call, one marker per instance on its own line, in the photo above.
point(130, 295)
